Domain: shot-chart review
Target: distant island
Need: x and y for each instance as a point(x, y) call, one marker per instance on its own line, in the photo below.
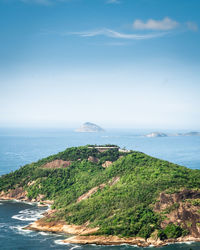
point(156, 134)
point(105, 195)
point(90, 127)
point(160, 134)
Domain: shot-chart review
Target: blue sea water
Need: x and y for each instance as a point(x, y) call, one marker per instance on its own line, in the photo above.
point(20, 146)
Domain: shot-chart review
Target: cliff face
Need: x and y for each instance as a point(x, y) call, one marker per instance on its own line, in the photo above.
point(20, 194)
point(181, 208)
point(17, 193)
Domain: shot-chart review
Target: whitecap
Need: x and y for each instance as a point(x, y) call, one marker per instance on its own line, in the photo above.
point(76, 246)
point(189, 242)
point(185, 242)
point(61, 242)
point(1, 203)
point(28, 215)
point(25, 202)
point(44, 233)
point(20, 230)
point(2, 225)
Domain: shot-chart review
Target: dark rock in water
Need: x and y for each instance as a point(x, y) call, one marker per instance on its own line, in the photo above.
point(90, 127)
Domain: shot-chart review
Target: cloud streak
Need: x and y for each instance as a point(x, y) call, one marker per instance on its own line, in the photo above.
point(192, 26)
point(42, 2)
point(151, 24)
point(113, 1)
point(118, 35)
point(52, 2)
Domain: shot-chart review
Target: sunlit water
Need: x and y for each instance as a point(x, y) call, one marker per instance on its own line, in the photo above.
point(18, 147)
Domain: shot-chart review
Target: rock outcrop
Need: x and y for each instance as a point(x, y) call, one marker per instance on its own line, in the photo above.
point(182, 208)
point(60, 227)
point(106, 164)
point(90, 192)
point(57, 164)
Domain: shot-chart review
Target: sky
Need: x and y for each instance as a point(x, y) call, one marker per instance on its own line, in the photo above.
point(117, 63)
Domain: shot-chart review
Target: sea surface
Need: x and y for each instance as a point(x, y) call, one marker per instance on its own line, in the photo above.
point(21, 146)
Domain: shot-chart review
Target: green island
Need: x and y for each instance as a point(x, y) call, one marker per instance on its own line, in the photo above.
point(107, 195)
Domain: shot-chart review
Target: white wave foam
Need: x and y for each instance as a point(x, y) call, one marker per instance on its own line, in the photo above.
point(44, 233)
point(185, 242)
point(28, 215)
point(74, 247)
point(60, 242)
point(1, 203)
point(2, 225)
point(25, 202)
point(189, 242)
point(20, 230)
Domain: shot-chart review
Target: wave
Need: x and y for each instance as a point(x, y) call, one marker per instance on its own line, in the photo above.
point(75, 247)
point(185, 242)
point(28, 215)
point(1, 203)
point(25, 202)
point(20, 230)
point(3, 225)
point(44, 233)
point(60, 242)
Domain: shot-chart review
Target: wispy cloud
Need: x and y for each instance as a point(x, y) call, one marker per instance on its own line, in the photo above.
point(192, 26)
point(118, 35)
point(151, 24)
point(42, 2)
point(52, 2)
point(113, 1)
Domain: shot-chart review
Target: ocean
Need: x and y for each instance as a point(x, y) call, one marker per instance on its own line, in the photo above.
point(21, 146)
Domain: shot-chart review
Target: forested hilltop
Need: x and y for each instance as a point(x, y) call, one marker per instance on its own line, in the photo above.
point(113, 191)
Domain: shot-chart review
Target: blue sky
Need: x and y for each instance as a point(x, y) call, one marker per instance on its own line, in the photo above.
point(119, 63)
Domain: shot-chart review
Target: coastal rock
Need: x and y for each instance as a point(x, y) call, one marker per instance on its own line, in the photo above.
point(21, 195)
point(60, 227)
point(181, 208)
point(110, 240)
point(18, 194)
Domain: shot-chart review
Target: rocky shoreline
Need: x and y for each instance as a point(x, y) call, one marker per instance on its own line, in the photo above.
point(80, 233)
point(19, 194)
point(114, 240)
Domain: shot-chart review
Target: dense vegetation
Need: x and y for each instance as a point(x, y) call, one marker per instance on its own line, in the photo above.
point(125, 208)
